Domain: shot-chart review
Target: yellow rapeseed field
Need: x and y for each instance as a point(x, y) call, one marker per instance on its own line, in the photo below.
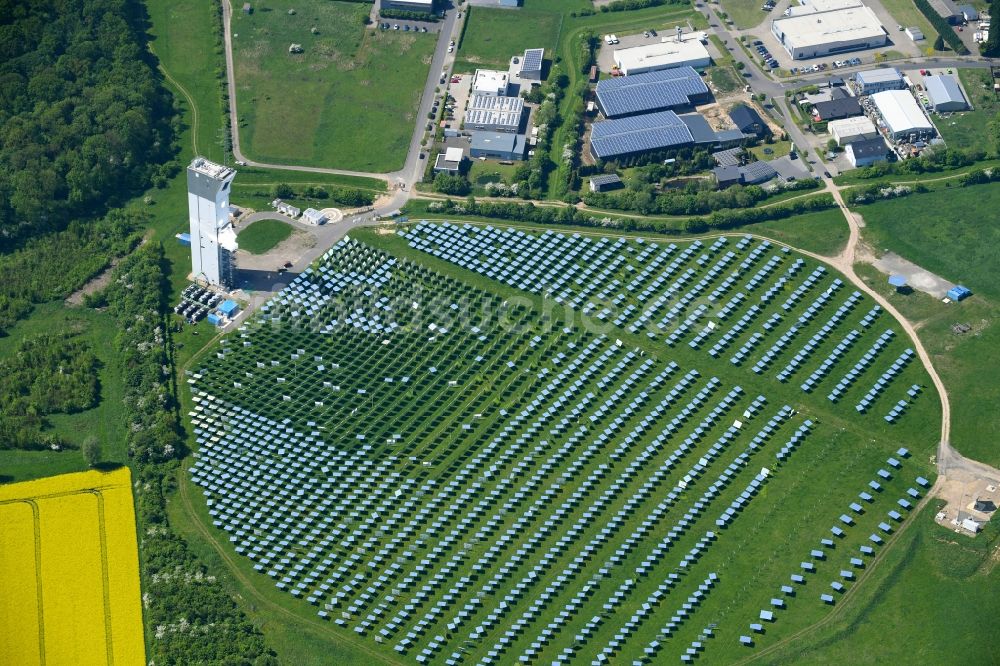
point(69, 572)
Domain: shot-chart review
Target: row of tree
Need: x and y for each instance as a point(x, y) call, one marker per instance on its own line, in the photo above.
point(570, 215)
point(190, 616)
point(696, 198)
point(84, 121)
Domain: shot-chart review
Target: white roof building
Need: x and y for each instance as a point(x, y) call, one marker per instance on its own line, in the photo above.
point(489, 82)
point(313, 216)
point(665, 55)
point(901, 114)
point(846, 130)
point(822, 33)
point(945, 93)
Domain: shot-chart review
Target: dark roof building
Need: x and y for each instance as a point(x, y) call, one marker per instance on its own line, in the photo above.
point(701, 131)
point(622, 137)
point(835, 109)
point(651, 91)
point(605, 182)
point(748, 121)
point(750, 174)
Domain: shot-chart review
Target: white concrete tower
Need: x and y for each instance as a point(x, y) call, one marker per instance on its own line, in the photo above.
point(213, 240)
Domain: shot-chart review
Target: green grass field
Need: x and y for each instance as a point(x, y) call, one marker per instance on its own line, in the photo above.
point(951, 232)
point(924, 606)
point(744, 13)
point(329, 105)
point(493, 36)
point(264, 235)
point(964, 129)
point(183, 37)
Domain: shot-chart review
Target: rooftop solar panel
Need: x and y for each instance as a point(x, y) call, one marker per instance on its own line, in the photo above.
point(532, 60)
point(629, 135)
point(649, 91)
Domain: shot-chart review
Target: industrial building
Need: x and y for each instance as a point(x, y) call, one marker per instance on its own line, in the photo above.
point(877, 80)
point(497, 145)
point(968, 12)
point(671, 52)
point(651, 91)
point(450, 161)
point(530, 65)
point(490, 82)
point(494, 114)
point(426, 6)
point(748, 121)
point(213, 239)
point(864, 152)
point(902, 116)
point(846, 130)
point(835, 109)
point(945, 94)
point(634, 135)
point(828, 29)
point(702, 133)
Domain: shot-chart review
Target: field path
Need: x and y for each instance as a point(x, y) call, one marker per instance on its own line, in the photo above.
point(183, 91)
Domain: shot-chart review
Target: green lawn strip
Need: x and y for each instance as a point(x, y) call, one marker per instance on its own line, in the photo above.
point(326, 106)
point(264, 235)
point(260, 177)
point(183, 36)
point(907, 15)
point(917, 607)
point(744, 13)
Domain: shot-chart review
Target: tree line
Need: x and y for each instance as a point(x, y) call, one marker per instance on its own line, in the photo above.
point(84, 121)
point(190, 616)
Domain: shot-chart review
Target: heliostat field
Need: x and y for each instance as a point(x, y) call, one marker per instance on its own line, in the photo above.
point(479, 445)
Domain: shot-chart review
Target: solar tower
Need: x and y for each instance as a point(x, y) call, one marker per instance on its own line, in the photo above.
point(213, 240)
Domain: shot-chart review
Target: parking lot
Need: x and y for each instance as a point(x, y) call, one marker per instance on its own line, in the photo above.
point(605, 56)
point(409, 26)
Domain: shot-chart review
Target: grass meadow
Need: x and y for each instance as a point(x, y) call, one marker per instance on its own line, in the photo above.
point(925, 605)
point(347, 101)
point(964, 129)
point(492, 36)
point(70, 572)
point(952, 232)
